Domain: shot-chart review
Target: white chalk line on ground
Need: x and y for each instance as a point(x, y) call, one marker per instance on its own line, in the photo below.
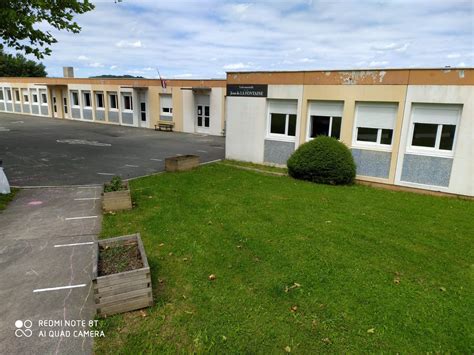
point(86, 198)
point(58, 288)
point(72, 244)
point(156, 159)
point(109, 174)
point(84, 217)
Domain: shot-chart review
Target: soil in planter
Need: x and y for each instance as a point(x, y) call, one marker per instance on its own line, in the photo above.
point(119, 258)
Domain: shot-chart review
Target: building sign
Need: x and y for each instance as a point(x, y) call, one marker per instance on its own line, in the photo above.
point(247, 90)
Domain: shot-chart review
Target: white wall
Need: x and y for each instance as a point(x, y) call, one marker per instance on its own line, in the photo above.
point(188, 111)
point(217, 111)
point(246, 125)
point(462, 173)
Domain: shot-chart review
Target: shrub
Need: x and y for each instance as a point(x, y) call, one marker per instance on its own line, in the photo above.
point(116, 184)
point(323, 160)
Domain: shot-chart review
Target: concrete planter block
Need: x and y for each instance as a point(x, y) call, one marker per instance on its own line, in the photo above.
point(124, 291)
point(181, 163)
point(117, 200)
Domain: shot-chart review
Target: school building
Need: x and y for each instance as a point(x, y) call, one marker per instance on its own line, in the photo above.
point(405, 127)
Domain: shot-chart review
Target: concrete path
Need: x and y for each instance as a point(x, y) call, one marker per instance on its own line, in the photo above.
point(36, 233)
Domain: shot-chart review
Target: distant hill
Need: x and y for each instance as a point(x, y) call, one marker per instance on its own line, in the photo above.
point(116, 77)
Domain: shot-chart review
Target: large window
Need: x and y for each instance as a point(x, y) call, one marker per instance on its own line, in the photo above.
point(17, 95)
point(26, 97)
point(433, 128)
point(9, 94)
point(113, 101)
point(282, 119)
point(166, 104)
point(325, 118)
point(374, 125)
point(75, 98)
point(87, 98)
point(44, 98)
point(99, 100)
point(34, 97)
point(1, 95)
point(127, 102)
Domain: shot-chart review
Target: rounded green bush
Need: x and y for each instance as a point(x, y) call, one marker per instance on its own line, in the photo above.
point(324, 160)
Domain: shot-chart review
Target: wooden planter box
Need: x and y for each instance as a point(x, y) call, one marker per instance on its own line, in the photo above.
point(181, 163)
point(124, 291)
point(117, 200)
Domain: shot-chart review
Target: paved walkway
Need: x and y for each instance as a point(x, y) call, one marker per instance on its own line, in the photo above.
point(36, 233)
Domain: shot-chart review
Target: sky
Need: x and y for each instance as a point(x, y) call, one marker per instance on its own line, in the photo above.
point(207, 38)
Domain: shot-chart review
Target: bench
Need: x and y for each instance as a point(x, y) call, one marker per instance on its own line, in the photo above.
point(164, 126)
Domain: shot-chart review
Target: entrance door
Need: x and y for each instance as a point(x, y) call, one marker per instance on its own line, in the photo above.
point(203, 114)
point(142, 113)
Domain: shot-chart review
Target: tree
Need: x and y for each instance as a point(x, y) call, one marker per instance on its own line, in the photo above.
point(19, 66)
point(18, 20)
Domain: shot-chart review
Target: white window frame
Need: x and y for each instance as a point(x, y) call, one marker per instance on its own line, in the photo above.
point(433, 151)
point(9, 96)
point(170, 108)
point(123, 95)
point(41, 93)
point(26, 95)
point(84, 93)
point(310, 126)
point(109, 94)
point(72, 98)
point(373, 145)
point(17, 95)
point(34, 95)
point(96, 94)
point(285, 111)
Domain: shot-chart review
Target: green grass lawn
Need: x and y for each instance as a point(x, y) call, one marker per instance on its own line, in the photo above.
point(311, 267)
point(5, 199)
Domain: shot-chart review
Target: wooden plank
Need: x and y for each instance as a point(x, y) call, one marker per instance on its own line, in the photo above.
point(127, 275)
point(123, 297)
point(125, 307)
point(116, 239)
point(99, 290)
point(141, 248)
point(123, 279)
point(113, 290)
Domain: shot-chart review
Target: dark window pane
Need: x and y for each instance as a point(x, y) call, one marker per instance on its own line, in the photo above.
point(143, 115)
point(206, 121)
point(100, 100)
point(142, 106)
point(206, 110)
point(319, 126)
point(200, 121)
point(278, 121)
point(336, 127)
point(447, 137)
point(386, 136)
point(367, 134)
point(424, 135)
point(292, 125)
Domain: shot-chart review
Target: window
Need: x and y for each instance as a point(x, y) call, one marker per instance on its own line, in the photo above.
point(99, 100)
point(87, 98)
point(1, 95)
point(166, 104)
point(113, 101)
point(26, 98)
point(434, 128)
point(17, 95)
point(75, 98)
point(282, 119)
point(127, 102)
point(35, 98)
point(374, 124)
point(44, 98)
point(325, 126)
point(9, 94)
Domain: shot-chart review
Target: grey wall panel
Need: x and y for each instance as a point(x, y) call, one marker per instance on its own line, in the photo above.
point(44, 110)
point(100, 115)
point(113, 116)
point(277, 152)
point(166, 118)
point(26, 108)
point(9, 107)
point(426, 170)
point(35, 109)
point(87, 114)
point(2, 106)
point(17, 107)
point(372, 163)
point(127, 117)
point(76, 113)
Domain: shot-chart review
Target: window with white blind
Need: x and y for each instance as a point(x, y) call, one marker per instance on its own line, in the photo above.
point(433, 128)
point(282, 119)
point(325, 119)
point(374, 125)
point(166, 104)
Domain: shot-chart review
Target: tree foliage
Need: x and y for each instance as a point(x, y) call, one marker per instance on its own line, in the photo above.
point(18, 65)
point(19, 22)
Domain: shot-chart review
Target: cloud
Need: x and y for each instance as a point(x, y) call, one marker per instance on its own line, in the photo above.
point(113, 67)
point(236, 66)
point(264, 35)
point(129, 44)
point(96, 65)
